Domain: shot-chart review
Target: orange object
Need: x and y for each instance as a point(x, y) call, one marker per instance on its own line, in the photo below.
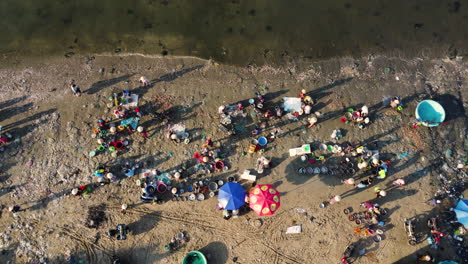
point(95, 131)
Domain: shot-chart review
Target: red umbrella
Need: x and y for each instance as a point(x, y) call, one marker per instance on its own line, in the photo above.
point(264, 199)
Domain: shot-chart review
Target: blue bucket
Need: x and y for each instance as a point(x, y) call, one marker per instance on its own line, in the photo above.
point(262, 141)
point(430, 113)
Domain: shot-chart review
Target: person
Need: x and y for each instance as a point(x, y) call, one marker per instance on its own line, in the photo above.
point(3, 139)
point(255, 131)
point(396, 103)
point(311, 121)
point(399, 182)
point(75, 89)
point(226, 214)
point(142, 131)
point(138, 112)
point(235, 213)
point(123, 209)
point(426, 257)
point(379, 193)
point(102, 123)
point(174, 138)
point(307, 109)
point(364, 183)
point(15, 209)
point(143, 80)
point(302, 94)
point(349, 181)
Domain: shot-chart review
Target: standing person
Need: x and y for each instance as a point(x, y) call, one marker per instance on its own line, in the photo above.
point(143, 80)
point(75, 89)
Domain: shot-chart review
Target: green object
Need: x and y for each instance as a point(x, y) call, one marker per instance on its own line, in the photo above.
point(92, 153)
point(388, 70)
point(399, 108)
point(195, 257)
point(329, 147)
point(350, 110)
point(111, 149)
point(306, 148)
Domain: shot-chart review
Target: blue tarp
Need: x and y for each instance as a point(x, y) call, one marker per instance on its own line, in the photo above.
point(132, 121)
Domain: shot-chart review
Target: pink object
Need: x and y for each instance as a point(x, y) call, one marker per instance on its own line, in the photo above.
point(219, 165)
point(118, 144)
point(264, 199)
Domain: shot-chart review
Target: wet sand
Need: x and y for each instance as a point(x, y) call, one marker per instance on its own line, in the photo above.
point(55, 130)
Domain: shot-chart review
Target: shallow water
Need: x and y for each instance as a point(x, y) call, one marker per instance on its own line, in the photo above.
point(238, 32)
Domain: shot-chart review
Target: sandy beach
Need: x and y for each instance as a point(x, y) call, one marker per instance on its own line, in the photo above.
point(52, 132)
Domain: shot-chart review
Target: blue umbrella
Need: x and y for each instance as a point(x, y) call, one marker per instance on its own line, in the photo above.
point(448, 262)
point(462, 212)
point(231, 196)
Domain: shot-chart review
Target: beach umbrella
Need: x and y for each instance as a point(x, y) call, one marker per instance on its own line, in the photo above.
point(448, 262)
point(462, 212)
point(231, 196)
point(264, 199)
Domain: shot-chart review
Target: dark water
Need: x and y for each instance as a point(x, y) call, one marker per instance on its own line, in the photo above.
point(234, 31)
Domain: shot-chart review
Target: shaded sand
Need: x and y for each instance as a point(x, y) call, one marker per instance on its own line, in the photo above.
point(55, 130)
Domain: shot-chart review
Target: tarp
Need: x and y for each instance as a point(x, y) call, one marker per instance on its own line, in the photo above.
point(231, 196)
point(462, 212)
point(292, 103)
point(132, 121)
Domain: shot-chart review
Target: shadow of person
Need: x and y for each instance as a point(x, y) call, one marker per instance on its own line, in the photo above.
point(98, 86)
point(144, 224)
point(216, 252)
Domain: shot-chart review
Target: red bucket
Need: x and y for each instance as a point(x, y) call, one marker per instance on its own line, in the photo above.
point(219, 165)
point(112, 144)
point(161, 188)
point(119, 145)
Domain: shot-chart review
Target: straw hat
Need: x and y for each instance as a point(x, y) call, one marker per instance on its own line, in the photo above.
point(383, 193)
point(74, 191)
point(109, 175)
point(375, 161)
point(173, 136)
point(221, 109)
point(303, 91)
point(124, 206)
point(337, 198)
point(312, 119)
point(177, 175)
point(301, 112)
point(140, 129)
point(266, 162)
point(100, 141)
point(205, 159)
point(10, 208)
point(113, 129)
point(362, 165)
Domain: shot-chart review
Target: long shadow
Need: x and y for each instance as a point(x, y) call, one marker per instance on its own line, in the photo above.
point(144, 224)
point(98, 86)
point(165, 78)
point(13, 101)
point(453, 106)
point(216, 252)
point(29, 119)
point(10, 112)
point(174, 75)
point(317, 92)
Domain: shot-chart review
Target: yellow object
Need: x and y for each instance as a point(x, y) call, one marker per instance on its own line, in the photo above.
point(252, 149)
point(121, 128)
